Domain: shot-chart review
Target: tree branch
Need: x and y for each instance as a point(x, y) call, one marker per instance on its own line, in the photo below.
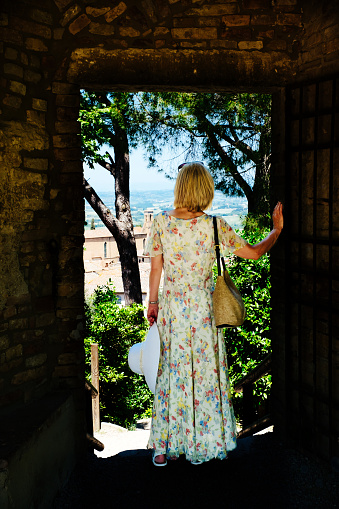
point(112, 224)
point(232, 167)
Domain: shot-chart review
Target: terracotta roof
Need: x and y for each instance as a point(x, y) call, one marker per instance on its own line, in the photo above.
point(100, 277)
point(104, 232)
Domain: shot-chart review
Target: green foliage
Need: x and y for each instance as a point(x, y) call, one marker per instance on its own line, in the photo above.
point(230, 132)
point(124, 395)
point(249, 344)
point(103, 116)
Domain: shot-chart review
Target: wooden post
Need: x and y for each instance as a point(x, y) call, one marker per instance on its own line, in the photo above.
point(95, 383)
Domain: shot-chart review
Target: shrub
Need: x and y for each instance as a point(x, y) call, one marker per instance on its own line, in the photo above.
point(124, 395)
point(249, 344)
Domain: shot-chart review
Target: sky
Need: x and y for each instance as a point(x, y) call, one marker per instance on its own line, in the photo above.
point(142, 178)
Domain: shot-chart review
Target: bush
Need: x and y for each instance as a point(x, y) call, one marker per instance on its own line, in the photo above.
point(124, 395)
point(249, 344)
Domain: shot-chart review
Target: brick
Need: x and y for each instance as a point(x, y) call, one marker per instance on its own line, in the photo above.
point(17, 87)
point(12, 36)
point(256, 4)
point(188, 44)
point(160, 31)
point(11, 53)
point(12, 101)
point(250, 45)
point(32, 76)
point(19, 300)
point(194, 33)
point(68, 100)
point(277, 45)
point(67, 154)
point(13, 364)
point(66, 140)
point(28, 375)
point(184, 22)
point(42, 16)
point(101, 29)
point(58, 33)
point(129, 32)
point(3, 19)
point(79, 24)
point(11, 353)
point(36, 117)
point(115, 12)
point(214, 10)
point(267, 34)
point(39, 104)
point(66, 114)
point(237, 33)
point(35, 360)
point(263, 19)
point(9, 312)
point(280, 3)
point(71, 13)
point(4, 342)
point(35, 60)
point(35, 44)
point(331, 46)
point(45, 320)
point(70, 126)
point(224, 44)
point(67, 371)
point(61, 4)
point(64, 88)
point(36, 163)
point(69, 358)
point(97, 11)
point(24, 58)
point(14, 69)
point(236, 20)
point(289, 19)
point(71, 167)
point(31, 27)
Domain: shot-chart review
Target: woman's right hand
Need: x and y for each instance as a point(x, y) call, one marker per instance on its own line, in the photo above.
point(152, 313)
point(277, 217)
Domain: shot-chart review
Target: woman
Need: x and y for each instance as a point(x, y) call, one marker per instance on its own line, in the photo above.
point(192, 410)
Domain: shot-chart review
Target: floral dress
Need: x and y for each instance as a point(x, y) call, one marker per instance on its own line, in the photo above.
point(192, 409)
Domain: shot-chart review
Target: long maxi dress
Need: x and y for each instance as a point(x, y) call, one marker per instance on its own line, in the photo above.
point(192, 409)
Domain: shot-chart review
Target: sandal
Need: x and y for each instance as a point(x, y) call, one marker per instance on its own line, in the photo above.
point(155, 455)
point(196, 462)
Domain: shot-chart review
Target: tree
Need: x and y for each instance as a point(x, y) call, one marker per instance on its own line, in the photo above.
point(105, 121)
point(232, 132)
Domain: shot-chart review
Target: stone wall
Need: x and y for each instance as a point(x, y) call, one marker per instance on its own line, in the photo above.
point(49, 50)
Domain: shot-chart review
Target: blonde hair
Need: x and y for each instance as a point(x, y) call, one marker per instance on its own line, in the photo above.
point(194, 188)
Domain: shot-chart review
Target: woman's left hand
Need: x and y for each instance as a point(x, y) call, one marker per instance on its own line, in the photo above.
point(277, 217)
point(152, 313)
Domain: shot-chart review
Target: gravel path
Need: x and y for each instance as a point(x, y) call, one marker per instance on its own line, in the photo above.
point(260, 473)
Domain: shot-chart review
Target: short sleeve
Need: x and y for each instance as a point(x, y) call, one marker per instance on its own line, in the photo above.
point(153, 245)
point(228, 239)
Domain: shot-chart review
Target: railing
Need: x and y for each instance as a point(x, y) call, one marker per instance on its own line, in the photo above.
point(92, 402)
point(250, 424)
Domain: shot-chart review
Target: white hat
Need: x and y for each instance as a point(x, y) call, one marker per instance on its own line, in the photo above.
point(143, 358)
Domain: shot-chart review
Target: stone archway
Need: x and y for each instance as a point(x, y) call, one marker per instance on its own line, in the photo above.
point(51, 49)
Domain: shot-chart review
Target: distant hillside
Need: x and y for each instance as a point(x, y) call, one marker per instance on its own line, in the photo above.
point(230, 208)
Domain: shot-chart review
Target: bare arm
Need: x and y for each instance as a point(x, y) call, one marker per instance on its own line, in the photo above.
point(256, 251)
point(154, 282)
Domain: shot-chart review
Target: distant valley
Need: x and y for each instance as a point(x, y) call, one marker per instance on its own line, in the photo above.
point(230, 208)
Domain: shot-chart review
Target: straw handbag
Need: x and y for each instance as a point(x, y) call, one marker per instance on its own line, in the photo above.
point(228, 306)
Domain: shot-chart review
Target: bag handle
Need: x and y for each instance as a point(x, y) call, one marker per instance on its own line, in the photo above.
point(216, 244)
